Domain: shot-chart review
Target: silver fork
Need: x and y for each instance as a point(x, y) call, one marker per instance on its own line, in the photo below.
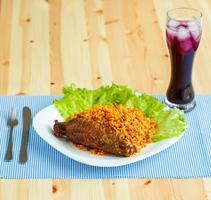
point(12, 121)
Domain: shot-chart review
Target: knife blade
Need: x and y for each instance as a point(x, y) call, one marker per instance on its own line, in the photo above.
point(25, 134)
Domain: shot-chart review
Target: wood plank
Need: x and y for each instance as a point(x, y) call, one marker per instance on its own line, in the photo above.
point(14, 189)
point(5, 30)
point(14, 84)
point(98, 43)
point(25, 22)
point(136, 59)
point(55, 47)
point(207, 186)
point(75, 52)
point(39, 190)
point(26, 189)
point(40, 46)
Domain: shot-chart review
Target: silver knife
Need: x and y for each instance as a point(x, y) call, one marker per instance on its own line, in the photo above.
point(25, 134)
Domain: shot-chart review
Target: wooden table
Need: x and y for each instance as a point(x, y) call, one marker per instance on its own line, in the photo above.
point(46, 44)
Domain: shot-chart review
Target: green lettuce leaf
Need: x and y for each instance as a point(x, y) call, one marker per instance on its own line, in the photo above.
point(74, 100)
point(171, 122)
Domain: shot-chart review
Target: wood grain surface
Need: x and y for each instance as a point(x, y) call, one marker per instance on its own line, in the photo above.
point(46, 44)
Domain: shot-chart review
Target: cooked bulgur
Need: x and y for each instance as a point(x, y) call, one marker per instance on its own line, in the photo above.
point(128, 123)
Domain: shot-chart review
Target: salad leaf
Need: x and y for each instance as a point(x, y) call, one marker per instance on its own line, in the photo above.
point(74, 100)
point(171, 122)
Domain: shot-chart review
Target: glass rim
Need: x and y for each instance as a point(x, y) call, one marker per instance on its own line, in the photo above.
point(184, 8)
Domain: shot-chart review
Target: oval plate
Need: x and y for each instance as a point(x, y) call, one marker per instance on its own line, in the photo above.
point(43, 124)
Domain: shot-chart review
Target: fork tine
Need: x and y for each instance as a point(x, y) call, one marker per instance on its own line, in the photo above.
point(12, 114)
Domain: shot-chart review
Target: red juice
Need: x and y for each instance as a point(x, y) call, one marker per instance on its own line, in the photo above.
point(183, 38)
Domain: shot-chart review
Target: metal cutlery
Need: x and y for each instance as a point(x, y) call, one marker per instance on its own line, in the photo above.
point(12, 121)
point(25, 134)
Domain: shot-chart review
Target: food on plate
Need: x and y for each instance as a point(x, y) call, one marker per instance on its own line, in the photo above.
point(90, 115)
point(91, 150)
point(111, 128)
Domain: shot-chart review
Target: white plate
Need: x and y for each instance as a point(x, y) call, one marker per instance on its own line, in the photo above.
point(43, 124)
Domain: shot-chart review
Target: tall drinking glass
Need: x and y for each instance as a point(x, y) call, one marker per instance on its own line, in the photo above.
point(183, 34)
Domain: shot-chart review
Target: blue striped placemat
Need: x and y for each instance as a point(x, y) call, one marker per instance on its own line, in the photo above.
point(190, 157)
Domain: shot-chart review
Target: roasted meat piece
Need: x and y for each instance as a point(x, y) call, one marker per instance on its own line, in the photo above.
point(92, 134)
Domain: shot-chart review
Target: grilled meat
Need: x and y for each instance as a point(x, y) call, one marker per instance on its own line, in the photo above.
point(90, 133)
